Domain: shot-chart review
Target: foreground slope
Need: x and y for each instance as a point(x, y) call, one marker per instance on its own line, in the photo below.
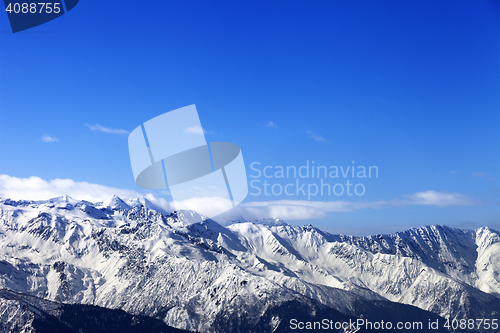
point(24, 313)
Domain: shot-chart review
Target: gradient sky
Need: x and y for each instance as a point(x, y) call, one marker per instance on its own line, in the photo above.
point(412, 87)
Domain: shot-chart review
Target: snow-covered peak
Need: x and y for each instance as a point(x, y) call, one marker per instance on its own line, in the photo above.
point(224, 219)
point(181, 219)
point(114, 203)
point(62, 202)
point(486, 237)
point(146, 203)
point(63, 199)
point(269, 221)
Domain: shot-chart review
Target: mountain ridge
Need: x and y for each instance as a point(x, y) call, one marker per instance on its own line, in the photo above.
point(127, 255)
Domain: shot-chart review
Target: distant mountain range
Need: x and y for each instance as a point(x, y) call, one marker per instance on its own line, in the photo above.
point(76, 266)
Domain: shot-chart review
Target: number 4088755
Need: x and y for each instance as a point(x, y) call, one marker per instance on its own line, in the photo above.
point(471, 324)
point(34, 8)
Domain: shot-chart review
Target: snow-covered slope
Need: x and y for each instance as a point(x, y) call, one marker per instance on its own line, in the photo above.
point(421, 266)
point(205, 277)
point(24, 313)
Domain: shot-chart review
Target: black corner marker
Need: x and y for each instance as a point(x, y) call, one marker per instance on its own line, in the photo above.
point(26, 14)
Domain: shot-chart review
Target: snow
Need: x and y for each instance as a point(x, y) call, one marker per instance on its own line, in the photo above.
point(135, 256)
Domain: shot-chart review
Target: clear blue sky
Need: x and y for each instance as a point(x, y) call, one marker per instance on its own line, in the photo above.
point(412, 87)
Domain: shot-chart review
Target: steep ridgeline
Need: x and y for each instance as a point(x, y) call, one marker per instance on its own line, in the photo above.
point(251, 276)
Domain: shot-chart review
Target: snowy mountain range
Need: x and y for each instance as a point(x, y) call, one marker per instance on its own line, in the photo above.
point(166, 271)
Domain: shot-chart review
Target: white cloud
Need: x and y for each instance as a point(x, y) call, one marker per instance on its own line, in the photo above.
point(304, 209)
point(100, 128)
point(433, 198)
point(300, 209)
point(284, 210)
point(271, 124)
point(316, 137)
point(195, 130)
point(209, 205)
point(161, 202)
point(47, 138)
point(35, 188)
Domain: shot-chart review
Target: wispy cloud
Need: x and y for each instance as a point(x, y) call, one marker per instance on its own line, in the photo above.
point(271, 124)
point(47, 138)
point(100, 128)
point(304, 209)
point(196, 130)
point(315, 136)
point(433, 198)
point(478, 174)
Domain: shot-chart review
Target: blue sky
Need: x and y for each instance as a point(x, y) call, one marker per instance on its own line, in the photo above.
point(412, 87)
